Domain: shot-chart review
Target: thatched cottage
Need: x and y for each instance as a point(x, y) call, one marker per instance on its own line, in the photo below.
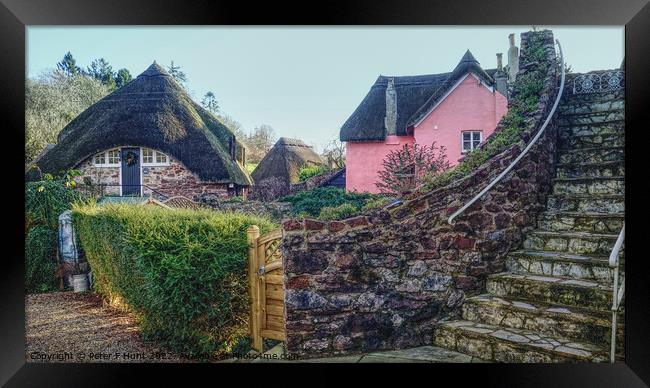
point(285, 160)
point(457, 110)
point(149, 137)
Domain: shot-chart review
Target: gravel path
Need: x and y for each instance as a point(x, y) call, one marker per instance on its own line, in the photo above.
point(74, 327)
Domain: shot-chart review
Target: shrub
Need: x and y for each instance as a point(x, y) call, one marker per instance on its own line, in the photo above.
point(183, 272)
point(44, 202)
point(311, 202)
point(311, 171)
point(340, 212)
point(40, 259)
point(376, 203)
point(403, 169)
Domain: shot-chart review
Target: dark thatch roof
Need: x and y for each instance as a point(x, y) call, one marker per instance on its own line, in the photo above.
point(415, 96)
point(285, 160)
point(151, 111)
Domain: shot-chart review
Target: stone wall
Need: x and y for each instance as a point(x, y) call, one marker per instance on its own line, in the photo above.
point(382, 279)
point(274, 210)
point(171, 180)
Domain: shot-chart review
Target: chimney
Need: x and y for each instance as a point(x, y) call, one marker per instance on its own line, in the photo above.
point(390, 121)
point(513, 59)
point(501, 77)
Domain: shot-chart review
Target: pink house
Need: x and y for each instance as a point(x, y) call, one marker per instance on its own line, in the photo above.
point(457, 110)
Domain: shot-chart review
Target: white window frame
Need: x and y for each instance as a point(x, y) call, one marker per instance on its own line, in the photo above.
point(155, 155)
point(471, 140)
point(105, 157)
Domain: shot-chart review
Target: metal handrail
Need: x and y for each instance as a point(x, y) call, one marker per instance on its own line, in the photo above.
point(528, 147)
point(617, 293)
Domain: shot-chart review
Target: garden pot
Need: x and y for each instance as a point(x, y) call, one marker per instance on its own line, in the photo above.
point(80, 283)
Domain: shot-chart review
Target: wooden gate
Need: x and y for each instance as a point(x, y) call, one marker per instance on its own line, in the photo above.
point(266, 277)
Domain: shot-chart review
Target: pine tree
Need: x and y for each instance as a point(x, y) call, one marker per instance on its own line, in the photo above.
point(122, 77)
point(210, 103)
point(68, 65)
point(178, 75)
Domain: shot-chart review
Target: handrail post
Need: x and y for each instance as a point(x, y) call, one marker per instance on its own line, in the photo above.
point(617, 294)
point(252, 234)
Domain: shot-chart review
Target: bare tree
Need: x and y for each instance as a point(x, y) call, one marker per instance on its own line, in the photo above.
point(404, 169)
point(259, 142)
point(334, 154)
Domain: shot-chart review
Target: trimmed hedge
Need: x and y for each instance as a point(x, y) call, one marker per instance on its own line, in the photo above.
point(182, 272)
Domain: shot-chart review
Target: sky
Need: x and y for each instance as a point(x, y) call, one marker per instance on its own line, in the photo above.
point(303, 81)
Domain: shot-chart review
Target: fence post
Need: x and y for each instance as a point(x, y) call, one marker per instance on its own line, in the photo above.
point(253, 233)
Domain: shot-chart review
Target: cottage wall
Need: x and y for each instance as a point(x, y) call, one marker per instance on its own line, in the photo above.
point(470, 107)
point(169, 180)
point(363, 161)
point(381, 280)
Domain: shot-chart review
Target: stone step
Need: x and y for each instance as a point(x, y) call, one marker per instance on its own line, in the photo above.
point(589, 185)
point(502, 344)
point(611, 204)
point(552, 289)
point(592, 129)
point(578, 170)
point(592, 155)
point(580, 107)
point(544, 319)
point(570, 242)
point(546, 263)
point(581, 222)
point(565, 119)
point(591, 141)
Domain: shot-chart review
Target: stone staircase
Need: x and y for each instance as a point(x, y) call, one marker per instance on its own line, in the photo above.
point(553, 303)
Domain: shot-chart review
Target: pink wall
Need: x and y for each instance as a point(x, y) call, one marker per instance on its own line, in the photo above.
point(363, 161)
point(471, 106)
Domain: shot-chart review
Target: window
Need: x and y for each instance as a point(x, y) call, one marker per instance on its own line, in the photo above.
point(161, 158)
point(471, 140)
point(107, 158)
point(154, 158)
point(114, 157)
point(147, 156)
point(100, 159)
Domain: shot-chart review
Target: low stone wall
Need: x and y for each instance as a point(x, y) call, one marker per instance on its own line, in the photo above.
point(274, 210)
point(381, 280)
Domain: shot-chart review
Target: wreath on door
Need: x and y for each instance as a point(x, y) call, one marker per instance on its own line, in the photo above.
point(130, 158)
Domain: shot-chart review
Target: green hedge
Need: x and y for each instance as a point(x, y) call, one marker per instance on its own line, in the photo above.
point(311, 171)
point(183, 272)
point(311, 202)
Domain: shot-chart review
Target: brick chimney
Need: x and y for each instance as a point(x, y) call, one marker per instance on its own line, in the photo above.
point(513, 59)
point(390, 121)
point(501, 77)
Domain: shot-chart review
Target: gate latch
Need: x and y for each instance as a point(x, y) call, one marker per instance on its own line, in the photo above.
point(261, 271)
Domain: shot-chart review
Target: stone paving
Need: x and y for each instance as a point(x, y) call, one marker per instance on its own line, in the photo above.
point(422, 354)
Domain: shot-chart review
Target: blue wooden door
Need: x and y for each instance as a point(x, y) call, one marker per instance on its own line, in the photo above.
point(130, 171)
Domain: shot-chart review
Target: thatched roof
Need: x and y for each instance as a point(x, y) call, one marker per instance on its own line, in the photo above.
point(285, 160)
point(415, 96)
point(151, 111)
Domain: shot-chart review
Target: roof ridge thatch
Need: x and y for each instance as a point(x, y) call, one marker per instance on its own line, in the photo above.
point(151, 111)
point(285, 159)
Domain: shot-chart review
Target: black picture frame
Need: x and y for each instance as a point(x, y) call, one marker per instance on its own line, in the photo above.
point(16, 15)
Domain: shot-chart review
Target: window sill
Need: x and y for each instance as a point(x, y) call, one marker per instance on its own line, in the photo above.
point(106, 165)
point(156, 164)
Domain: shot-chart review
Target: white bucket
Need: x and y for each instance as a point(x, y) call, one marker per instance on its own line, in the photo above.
point(80, 283)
